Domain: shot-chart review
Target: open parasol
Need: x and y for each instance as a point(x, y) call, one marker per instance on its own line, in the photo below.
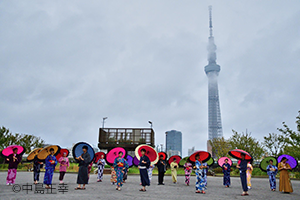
point(77, 150)
point(183, 160)
point(9, 150)
point(221, 161)
point(265, 162)
point(42, 155)
point(290, 159)
point(98, 156)
point(33, 153)
point(150, 153)
point(61, 153)
point(129, 159)
point(204, 156)
point(165, 156)
point(210, 162)
point(237, 153)
point(178, 158)
point(113, 154)
point(136, 161)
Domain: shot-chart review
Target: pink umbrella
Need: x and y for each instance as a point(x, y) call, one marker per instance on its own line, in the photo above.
point(9, 150)
point(113, 154)
point(221, 161)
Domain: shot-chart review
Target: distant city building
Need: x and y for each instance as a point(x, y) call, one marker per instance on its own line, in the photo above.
point(191, 151)
point(174, 143)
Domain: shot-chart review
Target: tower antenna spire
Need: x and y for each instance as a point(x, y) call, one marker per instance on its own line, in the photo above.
point(210, 22)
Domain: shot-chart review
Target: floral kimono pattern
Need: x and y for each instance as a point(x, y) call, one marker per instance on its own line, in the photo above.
point(187, 172)
point(201, 179)
point(119, 165)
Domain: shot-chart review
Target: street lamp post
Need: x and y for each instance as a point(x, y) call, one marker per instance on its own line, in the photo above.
point(104, 118)
point(151, 124)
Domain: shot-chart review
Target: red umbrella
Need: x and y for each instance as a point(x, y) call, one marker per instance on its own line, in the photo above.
point(113, 154)
point(203, 155)
point(237, 153)
point(178, 158)
point(61, 153)
point(98, 156)
point(221, 161)
point(150, 153)
point(165, 156)
point(9, 150)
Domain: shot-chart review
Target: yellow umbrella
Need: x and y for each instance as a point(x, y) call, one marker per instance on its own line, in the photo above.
point(42, 155)
point(33, 153)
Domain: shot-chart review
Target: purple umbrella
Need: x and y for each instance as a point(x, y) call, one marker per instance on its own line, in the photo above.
point(129, 160)
point(290, 159)
point(136, 161)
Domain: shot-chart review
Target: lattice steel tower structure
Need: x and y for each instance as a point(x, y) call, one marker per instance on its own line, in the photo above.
point(212, 71)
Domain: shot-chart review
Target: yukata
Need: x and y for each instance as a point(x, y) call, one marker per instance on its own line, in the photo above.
point(150, 170)
point(64, 163)
point(249, 174)
point(201, 179)
point(187, 171)
point(174, 168)
point(161, 167)
point(243, 176)
point(12, 168)
point(272, 176)
point(83, 177)
point(36, 169)
point(101, 164)
point(143, 170)
point(119, 165)
point(226, 172)
point(285, 184)
point(113, 176)
point(125, 171)
point(49, 167)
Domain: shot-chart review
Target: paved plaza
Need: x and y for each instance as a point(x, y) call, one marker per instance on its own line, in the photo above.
point(104, 190)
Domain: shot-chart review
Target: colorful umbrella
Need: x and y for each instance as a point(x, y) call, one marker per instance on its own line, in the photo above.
point(33, 153)
point(113, 154)
point(77, 150)
point(61, 153)
point(178, 158)
point(237, 153)
point(221, 161)
point(165, 156)
point(98, 156)
point(150, 153)
point(265, 162)
point(9, 150)
point(129, 159)
point(210, 162)
point(203, 155)
point(183, 160)
point(291, 160)
point(136, 161)
point(42, 155)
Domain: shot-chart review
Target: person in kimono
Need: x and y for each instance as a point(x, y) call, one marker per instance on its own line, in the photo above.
point(161, 167)
point(89, 169)
point(143, 166)
point(125, 171)
point(150, 170)
point(272, 171)
point(113, 176)
point(285, 184)
point(226, 171)
point(64, 164)
point(50, 163)
point(101, 164)
point(36, 170)
point(201, 180)
point(82, 177)
point(249, 174)
point(242, 166)
point(187, 171)
point(174, 168)
point(13, 160)
point(119, 166)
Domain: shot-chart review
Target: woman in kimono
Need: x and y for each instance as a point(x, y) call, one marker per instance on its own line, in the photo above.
point(272, 171)
point(36, 170)
point(82, 177)
point(285, 184)
point(187, 171)
point(101, 164)
point(143, 166)
point(64, 163)
point(13, 160)
point(242, 166)
point(226, 171)
point(174, 168)
point(150, 170)
point(50, 163)
point(125, 171)
point(119, 165)
point(249, 174)
point(113, 176)
point(201, 180)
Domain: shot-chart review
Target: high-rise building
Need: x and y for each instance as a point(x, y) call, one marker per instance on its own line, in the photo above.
point(212, 71)
point(174, 143)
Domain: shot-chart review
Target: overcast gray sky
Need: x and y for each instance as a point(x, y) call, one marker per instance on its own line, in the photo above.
point(66, 64)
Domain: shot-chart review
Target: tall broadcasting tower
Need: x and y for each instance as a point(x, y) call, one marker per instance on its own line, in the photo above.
point(212, 71)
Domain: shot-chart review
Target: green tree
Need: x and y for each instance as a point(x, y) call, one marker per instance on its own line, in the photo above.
point(291, 139)
point(273, 144)
point(247, 143)
point(6, 137)
point(220, 147)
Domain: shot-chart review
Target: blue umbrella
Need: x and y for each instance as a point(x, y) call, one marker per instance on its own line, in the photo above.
point(77, 150)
